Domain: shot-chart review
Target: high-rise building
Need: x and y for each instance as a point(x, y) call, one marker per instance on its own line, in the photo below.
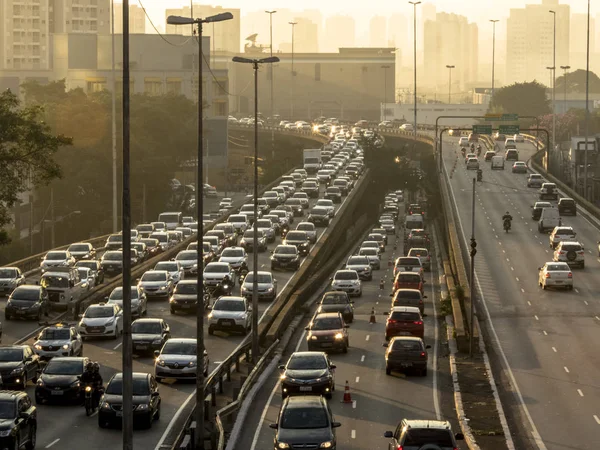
point(529, 43)
point(426, 11)
point(378, 31)
point(137, 19)
point(306, 36)
point(578, 41)
point(450, 40)
point(340, 31)
point(398, 31)
point(26, 28)
point(226, 34)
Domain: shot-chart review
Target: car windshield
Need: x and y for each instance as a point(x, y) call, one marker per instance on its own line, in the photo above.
point(408, 278)
point(346, 276)
point(404, 345)
point(160, 237)
point(186, 288)
point(236, 218)
point(357, 261)
point(407, 294)
point(418, 252)
point(285, 250)
point(326, 323)
point(154, 276)
point(187, 255)
point(306, 361)
point(113, 256)
point(233, 253)
point(168, 266)
point(296, 236)
point(26, 294)
point(428, 436)
point(8, 273)
point(551, 267)
point(115, 238)
point(179, 348)
point(145, 228)
point(63, 367)
point(261, 277)
point(302, 418)
point(117, 293)
point(263, 224)
point(149, 242)
point(319, 211)
point(368, 251)
point(408, 262)
point(216, 268)
point(54, 281)
point(11, 354)
point(56, 255)
point(305, 227)
point(403, 316)
point(78, 248)
point(140, 387)
point(55, 334)
point(146, 327)
point(293, 201)
point(99, 311)
point(225, 304)
point(334, 299)
point(7, 410)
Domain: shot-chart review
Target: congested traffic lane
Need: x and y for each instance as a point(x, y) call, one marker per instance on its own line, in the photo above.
point(16, 330)
point(546, 339)
point(174, 395)
point(379, 401)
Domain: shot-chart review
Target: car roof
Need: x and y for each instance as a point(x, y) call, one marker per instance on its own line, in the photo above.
point(149, 319)
point(297, 401)
point(12, 395)
point(327, 315)
point(437, 424)
point(136, 376)
point(412, 309)
point(183, 340)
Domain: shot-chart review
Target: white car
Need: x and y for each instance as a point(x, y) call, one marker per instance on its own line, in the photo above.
point(328, 204)
point(373, 255)
point(139, 301)
point(157, 283)
point(310, 229)
point(571, 252)
point(423, 255)
point(178, 359)
point(58, 340)
point(519, 138)
point(57, 258)
point(347, 281)
point(214, 272)
point(235, 256)
point(463, 141)
point(407, 127)
point(388, 226)
point(561, 233)
point(555, 274)
point(361, 265)
point(230, 313)
point(101, 320)
point(472, 164)
point(174, 268)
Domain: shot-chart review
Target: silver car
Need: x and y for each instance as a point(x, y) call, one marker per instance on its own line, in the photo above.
point(173, 267)
point(310, 230)
point(230, 313)
point(58, 340)
point(178, 359)
point(347, 281)
point(266, 226)
point(57, 258)
point(156, 283)
point(328, 204)
point(266, 285)
point(361, 265)
point(139, 301)
point(373, 255)
point(214, 273)
point(189, 261)
point(10, 279)
point(234, 256)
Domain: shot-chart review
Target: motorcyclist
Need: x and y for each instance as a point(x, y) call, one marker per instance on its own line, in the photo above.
point(98, 384)
point(479, 174)
point(472, 147)
point(479, 150)
point(90, 378)
point(243, 268)
point(507, 218)
point(224, 287)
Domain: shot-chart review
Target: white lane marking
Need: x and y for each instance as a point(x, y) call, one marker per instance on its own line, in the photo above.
point(545, 334)
point(566, 369)
point(503, 251)
point(597, 318)
point(590, 252)
point(117, 346)
point(579, 392)
point(497, 238)
point(269, 400)
point(353, 434)
point(536, 318)
point(547, 251)
point(436, 400)
point(528, 302)
point(585, 301)
point(577, 290)
point(353, 404)
point(512, 268)
point(522, 290)
point(530, 229)
point(52, 443)
point(517, 278)
point(173, 420)
point(362, 358)
point(508, 259)
point(368, 337)
point(357, 379)
point(597, 419)
point(554, 349)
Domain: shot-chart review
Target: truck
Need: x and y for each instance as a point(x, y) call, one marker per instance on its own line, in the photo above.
point(497, 162)
point(312, 160)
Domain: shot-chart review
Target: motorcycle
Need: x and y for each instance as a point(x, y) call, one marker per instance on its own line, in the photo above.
point(479, 175)
point(89, 402)
point(478, 151)
point(463, 151)
point(284, 231)
point(506, 225)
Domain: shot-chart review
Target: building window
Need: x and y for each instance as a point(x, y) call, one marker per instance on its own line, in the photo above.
point(153, 86)
point(119, 86)
point(219, 87)
point(318, 72)
point(174, 86)
point(96, 85)
point(220, 109)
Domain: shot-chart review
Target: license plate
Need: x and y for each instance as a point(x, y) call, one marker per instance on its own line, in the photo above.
point(57, 392)
point(558, 282)
point(305, 388)
point(186, 306)
point(119, 413)
point(141, 347)
point(404, 333)
point(94, 331)
point(283, 264)
point(226, 324)
point(20, 312)
point(327, 344)
point(406, 364)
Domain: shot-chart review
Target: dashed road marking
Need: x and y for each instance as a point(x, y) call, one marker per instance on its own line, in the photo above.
point(353, 404)
point(585, 301)
point(368, 337)
point(579, 392)
point(52, 443)
point(554, 350)
point(597, 419)
point(545, 334)
point(566, 369)
point(528, 302)
point(362, 358)
point(117, 346)
point(517, 278)
point(577, 290)
point(536, 318)
point(512, 268)
point(522, 290)
point(357, 379)
point(353, 434)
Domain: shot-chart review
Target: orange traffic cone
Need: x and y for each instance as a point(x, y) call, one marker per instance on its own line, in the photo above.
point(347, 396)
point(372, 318)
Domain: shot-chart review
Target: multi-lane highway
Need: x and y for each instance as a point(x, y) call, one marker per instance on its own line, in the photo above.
point(379, 401)
point(69, 427)
point(546, 339)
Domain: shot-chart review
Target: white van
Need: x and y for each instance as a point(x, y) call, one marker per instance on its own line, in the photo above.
point(414, 222)
point(171, 219)
point(497, 162)
point(549, 219)
point(510, 143)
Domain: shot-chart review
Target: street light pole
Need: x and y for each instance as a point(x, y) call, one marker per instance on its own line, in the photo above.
point(587, 105)
point(472, 277)
point(255, 63)
point(553, 81)
point(415, 57)
point(293, 24)
point(450, 83)
point(178, 20)
point(270, 13)
point(565, 68)
point(115, 209)
point(493, 54)
point(385, 68)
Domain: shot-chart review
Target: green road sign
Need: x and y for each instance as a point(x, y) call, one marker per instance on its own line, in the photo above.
point(510, 117)
point(482, 129)
point(509, 129)
point(501, 117)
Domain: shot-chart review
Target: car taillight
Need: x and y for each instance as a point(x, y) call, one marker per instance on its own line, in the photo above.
point(423, 354)
point(561, 253)
point(570, 275)
point(420, 302)
point(581, 252)
point(418, 322)
point(392, 321)
point(547, 275)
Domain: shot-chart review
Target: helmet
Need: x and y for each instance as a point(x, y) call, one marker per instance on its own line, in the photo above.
point(89, 366)
point(507, 213)
point(96, 367)
point(226, 278)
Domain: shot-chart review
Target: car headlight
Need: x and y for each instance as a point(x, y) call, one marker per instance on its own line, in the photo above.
point(5, 433)
point(142, 407)
point(110, 322)
point(76, 383)
point(192, 364)
point(210, 316)
point(105, 405)
point(162, 288)
point(17, 371)
point(82, 324)
point(270, 289)
point(283, 445)
point(66, 347)
point(40, 382)
point(339, 336)
point(366, 268)
point(327, 444)
point(160, 362)
point(314, 338)
point(37, 346)
point(62, 296)
point(157, 341)
point(142, 288)
point(172, 300)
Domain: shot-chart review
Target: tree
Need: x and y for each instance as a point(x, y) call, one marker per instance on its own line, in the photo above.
point(576, 82)
point(525, 99)
point(566, 125)
point(27, 150)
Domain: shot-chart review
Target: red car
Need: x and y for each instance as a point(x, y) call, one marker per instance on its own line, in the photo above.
point(404, 321)
point(408, 280)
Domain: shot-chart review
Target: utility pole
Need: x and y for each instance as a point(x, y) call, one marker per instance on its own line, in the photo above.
point(565, 68)
point(449, 82)
point(553, 81)
point(587, 106)
point(293, 24)
point(472, 276)
point(52, 235)
point(385, 68)
point(115, 208)
point(415, 57)
point(270, 13)
point(493, 54)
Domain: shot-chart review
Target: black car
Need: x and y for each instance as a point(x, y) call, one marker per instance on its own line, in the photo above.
point(18, 364)
point(148, 335)
point(305, 422)
point(406, 353)
point(95, 267)
point(567, 206)
point(319, 216)
point(146, 401)
point(285, 257)
point(311, 188)
point(536, 209)
point(27, 302)
point(308, 373)
point(185, 297)
point(60, 380)
point(18, 421)
point(337, 301)
point(299, 239)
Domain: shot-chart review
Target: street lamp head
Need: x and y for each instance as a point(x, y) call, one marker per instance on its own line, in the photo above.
point(76, 212)
point(218, 17)
point(293, 23)
point(550, 68)
point(271, 12)
point(494, 20)
point(450, 67)
point(179, 20)
point(270, 59)
point(565, 67)
point(240, 59)
point(552, 12)
point(415, 3)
